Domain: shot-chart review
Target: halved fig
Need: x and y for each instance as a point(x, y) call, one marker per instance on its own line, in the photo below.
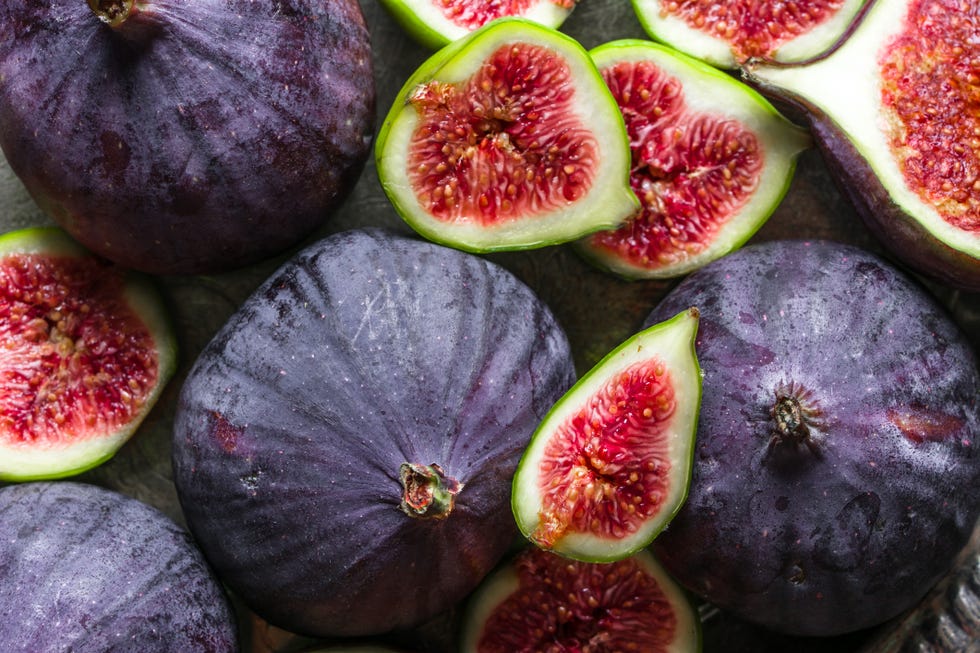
point(895, 111)
point(610, 464)
point(86, 347)
point(729, 33)
point(712, 159)
point(539, 601)
point(506, 139)
point(436, 23)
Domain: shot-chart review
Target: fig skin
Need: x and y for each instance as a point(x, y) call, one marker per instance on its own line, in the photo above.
point(847, 533)
point(363, 352)
point(192, 137)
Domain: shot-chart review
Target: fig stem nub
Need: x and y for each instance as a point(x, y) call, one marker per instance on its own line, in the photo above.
point(427, 492)
point(112, 12)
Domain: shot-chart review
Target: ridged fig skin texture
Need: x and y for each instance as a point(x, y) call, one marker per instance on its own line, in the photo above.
point(365, 351)
point(194, 137)
point(848, 527)
point(89, 570)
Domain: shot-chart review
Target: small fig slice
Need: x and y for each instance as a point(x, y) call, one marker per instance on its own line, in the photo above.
point(436, 23)
point(895, 111)
point(726, 34)
point(538, 601)
point(610, 464)
point(712, 159)
point(85, 350)
point(506, 139)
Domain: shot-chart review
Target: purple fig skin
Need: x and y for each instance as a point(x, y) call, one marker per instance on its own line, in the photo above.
point(848, 527)
point(364, 352)
point(195, 136)
point(90, 570)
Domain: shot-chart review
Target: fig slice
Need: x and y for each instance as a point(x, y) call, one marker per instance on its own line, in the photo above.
point(711, 161)
point(610, 464)
point(895, 111)
point(729, 33)
point(86, 347)
point(506, 139)
point(539, 601)
point(436, 23)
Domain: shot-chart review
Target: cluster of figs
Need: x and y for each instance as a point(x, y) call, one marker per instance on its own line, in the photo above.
point(391, 428)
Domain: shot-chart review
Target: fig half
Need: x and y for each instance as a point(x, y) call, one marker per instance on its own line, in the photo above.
point(85, 350)
point(895, 111)
point(538, 601)
point(506, 139)
point(436, 23)
point(729, 33)
point(712, 159)
point(610, 464)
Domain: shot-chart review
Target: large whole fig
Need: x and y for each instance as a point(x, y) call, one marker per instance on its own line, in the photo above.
point(344, 447)
point(184, 137)
point(837, 469)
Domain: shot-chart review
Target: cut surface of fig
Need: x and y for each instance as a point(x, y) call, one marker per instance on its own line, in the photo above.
point(85, 350)
point(506, 139)
point(609, 466)
point(711, 160)
point(729, 33)
point(436, 23)
point(539, 601)
point(895, 111)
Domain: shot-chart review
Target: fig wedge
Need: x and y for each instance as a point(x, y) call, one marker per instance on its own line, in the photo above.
point(506, 139)
point(538, 601)
point(729, 33)
point(86, 348)
point(895, 111)
point(712, 159)
point(610, 464)
point(436, 23)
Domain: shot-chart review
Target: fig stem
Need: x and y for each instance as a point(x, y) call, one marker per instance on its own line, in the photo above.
point(793, 414)
point(112, 12)
point(427, 492)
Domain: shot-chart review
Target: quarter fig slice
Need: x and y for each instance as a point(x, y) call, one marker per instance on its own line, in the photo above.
point(895, 111)
point(711, 161)
point(610, 464)
point(86, 348)
point(729, 33)
point(538, 601)
point(436, 23)
point(506, 139)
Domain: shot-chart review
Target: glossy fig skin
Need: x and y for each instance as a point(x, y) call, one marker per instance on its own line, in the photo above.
point(195, 136)
point(89, 570)
point(365, 351)
point(852, 532)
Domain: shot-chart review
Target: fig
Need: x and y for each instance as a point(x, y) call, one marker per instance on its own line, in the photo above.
point(609, 465)
point(436, 23)
point(88, 570)
point(506, 139)
point(711, 161)
point(837, 470)
point(344, 446)
point(539, 601)
point(182, 138)
point(894, 111)
point(730, 33)
point(86, 348)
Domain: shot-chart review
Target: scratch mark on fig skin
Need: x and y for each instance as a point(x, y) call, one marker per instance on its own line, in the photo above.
point(920, 424)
